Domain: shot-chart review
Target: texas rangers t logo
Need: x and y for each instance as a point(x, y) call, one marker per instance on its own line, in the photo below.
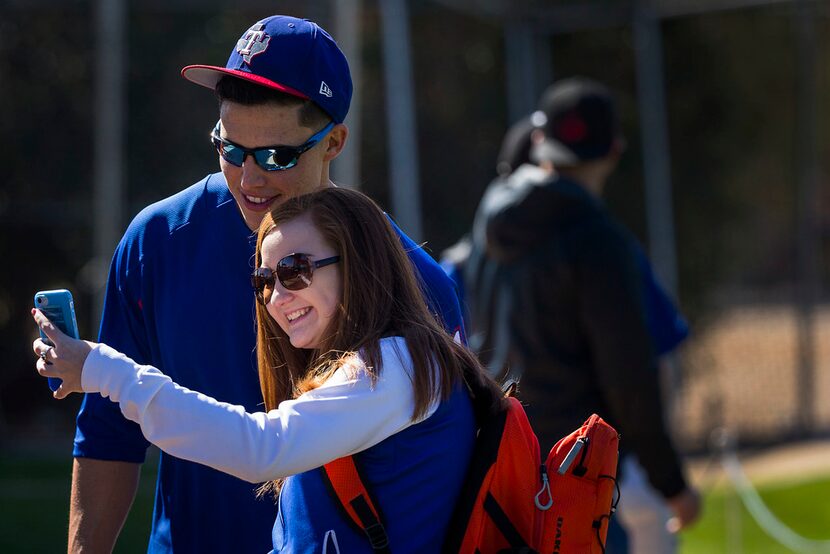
point(254, 41)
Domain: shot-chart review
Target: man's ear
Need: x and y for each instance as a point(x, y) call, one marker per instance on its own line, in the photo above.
point(335, 141)
point(619, 145)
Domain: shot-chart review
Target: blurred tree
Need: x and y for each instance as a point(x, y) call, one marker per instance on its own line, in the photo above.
point(729, 88)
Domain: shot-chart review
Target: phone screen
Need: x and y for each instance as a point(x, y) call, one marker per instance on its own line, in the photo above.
point(56, 316)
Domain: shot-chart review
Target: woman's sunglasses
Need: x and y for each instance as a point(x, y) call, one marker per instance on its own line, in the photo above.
point(293, 271)
point(269, 158)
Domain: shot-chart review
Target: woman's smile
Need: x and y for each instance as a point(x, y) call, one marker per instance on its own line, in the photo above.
point(296, 314)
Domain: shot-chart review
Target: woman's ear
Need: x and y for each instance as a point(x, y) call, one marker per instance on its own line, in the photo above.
point(335, 141)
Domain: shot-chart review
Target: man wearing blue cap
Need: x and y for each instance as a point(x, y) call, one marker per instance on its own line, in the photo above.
point(179, 296)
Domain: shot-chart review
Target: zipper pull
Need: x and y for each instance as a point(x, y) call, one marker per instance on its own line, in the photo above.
point(545, 489)
point(569, 459)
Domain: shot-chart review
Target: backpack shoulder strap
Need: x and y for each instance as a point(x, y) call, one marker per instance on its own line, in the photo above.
point(350, 493)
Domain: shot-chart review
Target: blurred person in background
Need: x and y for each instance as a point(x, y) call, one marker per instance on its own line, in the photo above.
point(562, 297)
point(179, 298)
point(514, 152)
point(646, 517)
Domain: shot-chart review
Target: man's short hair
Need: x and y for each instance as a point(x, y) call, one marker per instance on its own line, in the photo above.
point(231, 89)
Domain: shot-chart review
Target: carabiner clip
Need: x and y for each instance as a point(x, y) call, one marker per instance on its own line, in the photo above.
point(545, 489)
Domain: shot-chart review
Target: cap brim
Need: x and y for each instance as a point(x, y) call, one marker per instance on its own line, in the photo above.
point(554, 152)
point(209, 75)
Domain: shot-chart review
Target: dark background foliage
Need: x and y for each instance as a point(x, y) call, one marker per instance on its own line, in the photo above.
point(730, 89)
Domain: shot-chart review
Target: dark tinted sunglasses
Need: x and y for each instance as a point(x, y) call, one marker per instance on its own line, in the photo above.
point(269, 158)
point(293, 271)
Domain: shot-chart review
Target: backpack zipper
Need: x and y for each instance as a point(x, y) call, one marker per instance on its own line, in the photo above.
point(580, 468)
point(579, 446)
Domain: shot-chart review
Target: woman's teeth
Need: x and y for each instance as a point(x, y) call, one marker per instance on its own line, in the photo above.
point(294, 315)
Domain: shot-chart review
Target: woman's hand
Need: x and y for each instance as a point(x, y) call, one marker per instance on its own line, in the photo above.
point(65, 360)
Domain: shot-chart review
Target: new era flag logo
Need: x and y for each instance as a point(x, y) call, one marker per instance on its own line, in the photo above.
point(324, 89)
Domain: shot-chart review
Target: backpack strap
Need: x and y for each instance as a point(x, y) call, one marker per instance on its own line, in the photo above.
point(343, 479)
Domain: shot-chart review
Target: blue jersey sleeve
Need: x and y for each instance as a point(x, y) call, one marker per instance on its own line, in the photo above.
point(102, 432)
point(438, 288)
point(667, 326)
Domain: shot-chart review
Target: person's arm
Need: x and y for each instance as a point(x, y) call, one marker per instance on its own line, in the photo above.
point(685, 507)
point(347, 414)
point(105, 442)
point(612, 314)
point(102, 494)
point(668, 328)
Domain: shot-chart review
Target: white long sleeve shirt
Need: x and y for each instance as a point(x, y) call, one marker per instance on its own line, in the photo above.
point(346, 415)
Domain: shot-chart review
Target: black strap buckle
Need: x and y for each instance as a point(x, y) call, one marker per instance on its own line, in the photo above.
point(377, 536)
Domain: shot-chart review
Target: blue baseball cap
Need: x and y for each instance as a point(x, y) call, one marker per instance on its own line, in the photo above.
point(295, 56)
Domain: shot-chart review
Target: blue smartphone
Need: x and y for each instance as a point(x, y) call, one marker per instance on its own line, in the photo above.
point(58, 306)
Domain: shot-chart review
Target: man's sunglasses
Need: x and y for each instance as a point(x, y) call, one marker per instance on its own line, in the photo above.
point(293, 271)
point(269, 158)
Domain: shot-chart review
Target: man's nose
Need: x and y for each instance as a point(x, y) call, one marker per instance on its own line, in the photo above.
point(252, 174)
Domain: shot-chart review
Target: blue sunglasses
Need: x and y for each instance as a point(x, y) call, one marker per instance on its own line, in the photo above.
point(269, 158)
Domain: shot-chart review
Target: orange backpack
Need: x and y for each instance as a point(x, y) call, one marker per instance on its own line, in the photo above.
point(511, 500)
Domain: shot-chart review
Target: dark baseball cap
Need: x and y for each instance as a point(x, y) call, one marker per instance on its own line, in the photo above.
point(579, 121)
point(295, 56)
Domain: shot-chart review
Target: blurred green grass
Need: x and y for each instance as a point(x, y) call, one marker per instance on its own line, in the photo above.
point(34, 504)
point(803, 506)
point(34, 499)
